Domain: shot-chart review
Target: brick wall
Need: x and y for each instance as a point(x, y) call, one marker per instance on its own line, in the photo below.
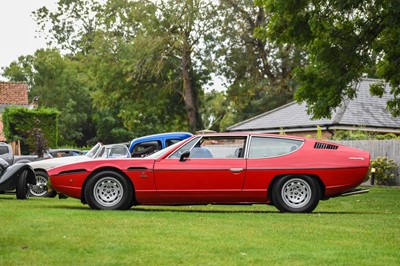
point(14, 93)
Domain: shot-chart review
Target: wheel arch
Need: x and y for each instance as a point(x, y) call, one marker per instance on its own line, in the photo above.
point(274, 180)
point(114, 169)
point(23, 161)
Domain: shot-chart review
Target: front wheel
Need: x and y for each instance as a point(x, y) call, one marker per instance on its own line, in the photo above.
point(22, 189)
point(108, 190)
point(296, 194)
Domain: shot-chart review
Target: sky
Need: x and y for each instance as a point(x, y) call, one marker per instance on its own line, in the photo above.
point(17, 29)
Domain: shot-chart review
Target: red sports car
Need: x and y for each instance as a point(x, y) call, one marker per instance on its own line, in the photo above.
point(291, 173)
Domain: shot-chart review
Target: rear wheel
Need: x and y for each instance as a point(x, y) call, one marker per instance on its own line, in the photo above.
point(42, 187)
point(108, 190)
point(296, 193)
point(22, 189)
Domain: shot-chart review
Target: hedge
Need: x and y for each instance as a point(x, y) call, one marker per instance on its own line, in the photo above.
point(23, 124)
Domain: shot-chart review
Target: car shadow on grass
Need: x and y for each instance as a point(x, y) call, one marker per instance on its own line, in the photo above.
point(197, 210)
point(272, 211)
point(184, 209)
point(214, 210)
point(265, 209)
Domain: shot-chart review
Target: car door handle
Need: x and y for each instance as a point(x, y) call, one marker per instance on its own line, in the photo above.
point(236, 170)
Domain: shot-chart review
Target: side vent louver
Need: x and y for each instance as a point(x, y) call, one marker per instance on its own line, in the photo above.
point(319, 145)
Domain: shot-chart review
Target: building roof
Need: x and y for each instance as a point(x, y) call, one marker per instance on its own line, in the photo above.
point(365, 112)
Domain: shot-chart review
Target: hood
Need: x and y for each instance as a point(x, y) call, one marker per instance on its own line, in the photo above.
point(50, 163)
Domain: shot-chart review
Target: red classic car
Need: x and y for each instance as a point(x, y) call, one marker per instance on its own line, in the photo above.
point(291, 173)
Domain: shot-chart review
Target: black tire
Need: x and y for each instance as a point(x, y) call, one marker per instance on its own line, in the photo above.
point(22, 189)
point(108, 190)
point(296, 193)
point(42, 187)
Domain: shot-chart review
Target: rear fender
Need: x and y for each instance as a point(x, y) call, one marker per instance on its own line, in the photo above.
point(271, 185)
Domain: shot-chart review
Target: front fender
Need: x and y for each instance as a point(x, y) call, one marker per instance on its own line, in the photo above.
point(10, 176)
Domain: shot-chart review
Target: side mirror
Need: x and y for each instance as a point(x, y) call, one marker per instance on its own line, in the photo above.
point(184, 155)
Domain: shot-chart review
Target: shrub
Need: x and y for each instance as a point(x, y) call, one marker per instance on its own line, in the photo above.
point(359, 134)
point(36, 129)
point(386, 170)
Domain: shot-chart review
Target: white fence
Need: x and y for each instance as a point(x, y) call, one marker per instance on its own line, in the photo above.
point(387, 148)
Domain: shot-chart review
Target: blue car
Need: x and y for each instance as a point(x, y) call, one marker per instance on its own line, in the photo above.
point(143, 146)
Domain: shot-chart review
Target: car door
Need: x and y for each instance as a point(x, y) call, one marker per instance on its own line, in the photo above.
point(214, 172)
point(268, 157)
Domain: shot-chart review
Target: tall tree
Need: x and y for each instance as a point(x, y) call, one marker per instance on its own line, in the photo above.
point(344, 39)
point(151, 49)
point(72, 26)
point(259, 73)
point(132, 72)
point(186, 29)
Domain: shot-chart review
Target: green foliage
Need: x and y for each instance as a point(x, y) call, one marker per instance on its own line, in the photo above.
point(139, 55)
point(386, 136)
point(386, 170)
point(72, 27)
point(351, 135)
point(40, 143)
point(214, 109)
point(36, 129)
point(20, 70)
point(60, 83)
point(109, 129)
point(343, 40)
point(319, 133)
point(141, 67)
point(258, 72)
point(359, 134)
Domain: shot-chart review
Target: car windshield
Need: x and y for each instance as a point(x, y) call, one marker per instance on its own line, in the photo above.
point(113, 151)
point(93, 150)
point(160, 153)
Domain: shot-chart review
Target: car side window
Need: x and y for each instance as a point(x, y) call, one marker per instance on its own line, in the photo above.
point(219, 148)
point(266, 147)
point(170, 142)
point(116, 151)
point(146, 148)
point(3, 150)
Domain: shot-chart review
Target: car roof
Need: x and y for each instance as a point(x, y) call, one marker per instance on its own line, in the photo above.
point(162, 136)
point(4, 143)
point(246, 134)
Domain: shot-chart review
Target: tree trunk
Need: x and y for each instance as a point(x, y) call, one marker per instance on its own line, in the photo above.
point(189, 95)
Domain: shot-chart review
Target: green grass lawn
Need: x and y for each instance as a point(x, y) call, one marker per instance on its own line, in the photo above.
point(355, 230)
